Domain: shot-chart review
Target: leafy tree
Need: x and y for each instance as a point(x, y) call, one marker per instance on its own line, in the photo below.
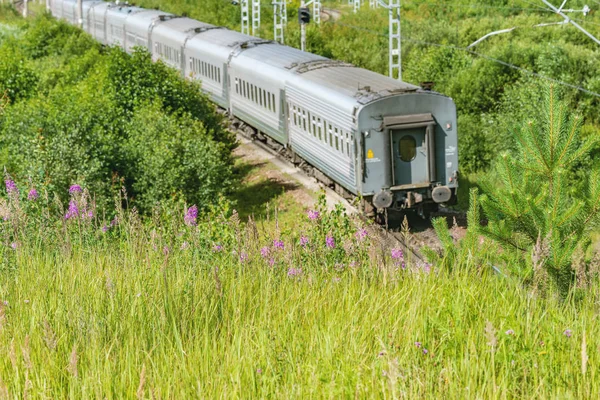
point(533, 201)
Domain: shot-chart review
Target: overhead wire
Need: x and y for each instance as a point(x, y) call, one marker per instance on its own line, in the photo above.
point(475, 53)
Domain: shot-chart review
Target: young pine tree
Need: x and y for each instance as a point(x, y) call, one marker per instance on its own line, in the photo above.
point(533, 200)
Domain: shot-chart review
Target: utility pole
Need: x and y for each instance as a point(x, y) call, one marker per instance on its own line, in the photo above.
point(255, 17)
point(317, 11)
point(244, 29)
point(80, 13)
point(279, 20)
point(560, 12)
point(395, 37)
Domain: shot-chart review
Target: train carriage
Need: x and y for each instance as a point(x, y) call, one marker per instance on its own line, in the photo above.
point(391, 143)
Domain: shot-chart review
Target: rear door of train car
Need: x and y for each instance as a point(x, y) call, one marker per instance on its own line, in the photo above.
point(411, 142)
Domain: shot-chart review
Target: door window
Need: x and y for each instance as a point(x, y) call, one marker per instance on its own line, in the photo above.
point(408, 148)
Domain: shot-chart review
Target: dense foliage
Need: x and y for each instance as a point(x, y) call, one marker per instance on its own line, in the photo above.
point(185, 305)
point(77, 112)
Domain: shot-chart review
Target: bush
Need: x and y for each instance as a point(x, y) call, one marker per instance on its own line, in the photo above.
point(86, 118)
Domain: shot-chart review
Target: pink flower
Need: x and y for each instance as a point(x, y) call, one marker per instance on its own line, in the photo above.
point(330, 242)
point(568, 333)
point(75, 189)
point(33, 195)
point(293, 272)
point(361, 234)
point(510, 332)
point(191, 215)
point(264, 252)
point(11, 186)
point(303, 241)
point(313, 215)
point(217, 248)
point(278, 244)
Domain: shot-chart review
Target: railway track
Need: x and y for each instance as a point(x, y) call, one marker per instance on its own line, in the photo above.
point(408, 233)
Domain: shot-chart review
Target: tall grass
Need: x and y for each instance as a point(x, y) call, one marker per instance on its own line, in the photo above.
point(212, 307)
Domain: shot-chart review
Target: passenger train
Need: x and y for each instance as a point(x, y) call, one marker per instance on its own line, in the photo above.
point(387, 142)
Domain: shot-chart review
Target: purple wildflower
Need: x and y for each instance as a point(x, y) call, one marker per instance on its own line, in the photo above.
point(166, 250)
point(336, 279)
point(184, 245)
point(13, 246)
point(427, 268)
point(425, 351)
point(72, 211)
point(217, 248)
point(11, 186)
point(191, 215)
point(418, 345)
point(87, 214)
point(397, 254)
point(568, 333)
point(361, 234)
point(510, 332)
point(259, 371)
point(330, 242)
point(105, 229)
point(33, 195)
point(264, 252)
point(271, 262)
point(278, 244)
point(381, 353)
point(243, 257)
point(303, 241)
point(292, 272)
point(75, 189)
point(313, 215)
point(113, 222)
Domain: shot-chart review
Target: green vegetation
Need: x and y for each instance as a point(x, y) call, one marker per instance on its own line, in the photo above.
point(209, 307)
point(74, 111)
point(100, 301)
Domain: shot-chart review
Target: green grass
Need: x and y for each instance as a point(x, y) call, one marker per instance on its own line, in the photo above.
point(116, 315)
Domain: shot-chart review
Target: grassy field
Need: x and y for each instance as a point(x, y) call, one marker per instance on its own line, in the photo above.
point(216, 308)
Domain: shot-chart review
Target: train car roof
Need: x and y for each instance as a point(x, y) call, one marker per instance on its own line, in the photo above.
point(182, 25)
point(280, 56)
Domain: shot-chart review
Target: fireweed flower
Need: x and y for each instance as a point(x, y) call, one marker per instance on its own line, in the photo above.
point(418, 345)
point(278, 244)
point(271, 262)
point(303, 241)
point(75, 189)
point(113, 222)
point(13, 246)
point(11, 186)
point(361, 234)
point(330, 242)
point(425, 351)
point(568, 333)
point(184, 245)
point(72, 211)
point(264, 252)
point(397, 254)
point(33, 195)
point(191, 215)
point(510, 332)
point(293, 272)
point(243, 257)
point(217, 248)
point(427, 268)
point(105, 229)
point(313, 215)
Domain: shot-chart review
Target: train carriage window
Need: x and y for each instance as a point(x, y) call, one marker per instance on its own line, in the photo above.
point(264, 98)
point(320, 127)
point(408, 148)
point(304, 120)
point(269, 102)
point(219, 75)
point(347, 144)
point(274, 103)
point(336, 133)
